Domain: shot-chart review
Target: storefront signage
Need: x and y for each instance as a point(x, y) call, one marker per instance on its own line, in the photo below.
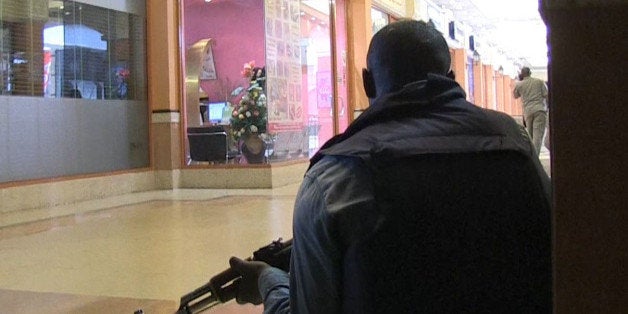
point(283, 65)
point(396, 7)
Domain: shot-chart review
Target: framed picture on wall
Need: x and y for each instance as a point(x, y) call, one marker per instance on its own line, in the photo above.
point(208, 68)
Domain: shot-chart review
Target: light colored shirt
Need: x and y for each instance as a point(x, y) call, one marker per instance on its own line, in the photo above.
point(533, 93)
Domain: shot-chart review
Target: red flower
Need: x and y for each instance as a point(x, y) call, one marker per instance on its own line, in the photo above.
point(123, 73)
point(247, 70)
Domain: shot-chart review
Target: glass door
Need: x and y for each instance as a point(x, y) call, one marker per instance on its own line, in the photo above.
point(340, 65)
point(324, 34)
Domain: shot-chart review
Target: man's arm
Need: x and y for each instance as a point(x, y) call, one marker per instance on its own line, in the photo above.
point(315, 282)
point(275, 290)
point(334, 208)
point(331, 209)
point(313, 285)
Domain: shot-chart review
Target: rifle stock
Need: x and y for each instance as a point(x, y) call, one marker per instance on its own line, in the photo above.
point(224, 286)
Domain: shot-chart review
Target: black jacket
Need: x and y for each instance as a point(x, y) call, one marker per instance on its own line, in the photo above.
point(464, 208)
point(430, 116)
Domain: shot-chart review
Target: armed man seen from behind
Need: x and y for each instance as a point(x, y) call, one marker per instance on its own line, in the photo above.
point(426, 204)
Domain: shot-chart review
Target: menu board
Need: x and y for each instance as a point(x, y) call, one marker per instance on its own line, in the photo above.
point(283, 65)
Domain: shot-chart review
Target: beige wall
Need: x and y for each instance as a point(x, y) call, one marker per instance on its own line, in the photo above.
point(164, 84)
point(358, 36)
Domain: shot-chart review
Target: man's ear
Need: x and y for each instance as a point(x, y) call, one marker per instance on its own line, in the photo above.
point(369, 83)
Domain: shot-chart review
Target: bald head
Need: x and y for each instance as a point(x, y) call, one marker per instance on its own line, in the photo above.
point(404, 52)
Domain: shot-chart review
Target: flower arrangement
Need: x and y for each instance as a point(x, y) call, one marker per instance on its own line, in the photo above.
point(122, 88)
point(249, 116)
point(123, 73)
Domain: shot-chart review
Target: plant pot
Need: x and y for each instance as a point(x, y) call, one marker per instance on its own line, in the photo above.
point(254, 149)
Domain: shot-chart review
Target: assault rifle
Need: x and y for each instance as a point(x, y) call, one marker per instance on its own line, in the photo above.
point(224, 286)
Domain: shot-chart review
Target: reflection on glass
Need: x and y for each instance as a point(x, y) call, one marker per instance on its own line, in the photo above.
point(79, 70)
point(317, 76)
point(379, 19)
point(70, 49)
point(290, 41)
point(236, 30)
point(343, 114)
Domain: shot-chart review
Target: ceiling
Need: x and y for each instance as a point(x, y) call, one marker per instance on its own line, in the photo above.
point(514, 27)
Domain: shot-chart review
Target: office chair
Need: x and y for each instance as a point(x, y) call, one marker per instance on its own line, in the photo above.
point(210, 147)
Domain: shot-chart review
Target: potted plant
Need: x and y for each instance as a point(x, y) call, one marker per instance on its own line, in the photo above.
point(250, 115)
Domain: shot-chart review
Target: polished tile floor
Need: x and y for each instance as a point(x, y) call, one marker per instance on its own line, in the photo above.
point(146, 254)
point(136, 251)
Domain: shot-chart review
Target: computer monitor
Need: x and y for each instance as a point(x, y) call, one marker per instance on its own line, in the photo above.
point(215, 112)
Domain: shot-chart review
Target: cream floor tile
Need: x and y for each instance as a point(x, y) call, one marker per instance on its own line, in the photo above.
point(22, 216)
point(161, 246)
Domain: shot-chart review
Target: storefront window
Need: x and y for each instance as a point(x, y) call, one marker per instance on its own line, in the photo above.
point(270, 63)
point(79, 69)
point(316, 100)
point(379, 19)
point(71, 49)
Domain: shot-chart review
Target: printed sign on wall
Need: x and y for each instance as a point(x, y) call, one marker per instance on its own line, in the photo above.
point(208, 68)
point(283, 65)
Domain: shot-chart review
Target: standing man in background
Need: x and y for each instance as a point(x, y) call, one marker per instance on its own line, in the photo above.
point(533, 92)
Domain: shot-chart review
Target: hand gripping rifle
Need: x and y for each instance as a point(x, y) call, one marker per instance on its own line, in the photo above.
point(224, 286)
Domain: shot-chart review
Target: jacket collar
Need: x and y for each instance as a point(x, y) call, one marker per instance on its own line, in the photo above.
point(416, 96)
point(436, 89)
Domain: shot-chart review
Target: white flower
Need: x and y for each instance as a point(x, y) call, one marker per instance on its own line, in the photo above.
point(248, 114)
point(241, 117)
point(261, 101)
point(253, 129)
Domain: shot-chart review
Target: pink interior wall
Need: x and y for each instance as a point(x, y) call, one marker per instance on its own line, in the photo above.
point(237, 28)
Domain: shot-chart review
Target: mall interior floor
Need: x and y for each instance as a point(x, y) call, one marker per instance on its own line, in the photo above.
point(141, 251)
point(143, 255)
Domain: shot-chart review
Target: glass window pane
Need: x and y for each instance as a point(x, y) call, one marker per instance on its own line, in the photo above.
point(79, 70)
point(220, 37)
point(289, 41)
point(317, 74)
point(379, 19)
